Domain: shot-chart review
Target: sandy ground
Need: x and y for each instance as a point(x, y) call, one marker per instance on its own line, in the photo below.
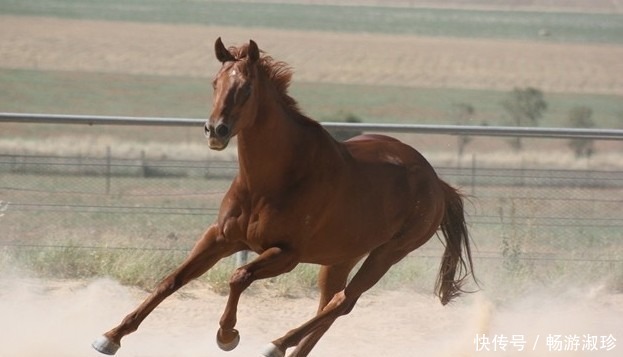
point(60, 318)
point(142, 48)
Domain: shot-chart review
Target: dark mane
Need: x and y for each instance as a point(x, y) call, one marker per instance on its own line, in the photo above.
point(278, 72)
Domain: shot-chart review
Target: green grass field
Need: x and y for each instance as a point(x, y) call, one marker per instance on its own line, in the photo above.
point(169, 96)
point(563, 27)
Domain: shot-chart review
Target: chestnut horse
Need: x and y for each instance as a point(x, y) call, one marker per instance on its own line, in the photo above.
point(302, 197)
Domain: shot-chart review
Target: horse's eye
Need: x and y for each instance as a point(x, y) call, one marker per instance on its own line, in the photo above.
point(243, 93)
point(246, 89)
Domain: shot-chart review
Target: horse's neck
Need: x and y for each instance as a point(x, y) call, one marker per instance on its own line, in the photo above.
point(276, 149)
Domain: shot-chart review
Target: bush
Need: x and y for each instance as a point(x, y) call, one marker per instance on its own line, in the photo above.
point(581, 117)
point(525, 107)
point(342, 135)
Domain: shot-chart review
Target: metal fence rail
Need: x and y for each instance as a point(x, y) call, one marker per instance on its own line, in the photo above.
point(471, 130)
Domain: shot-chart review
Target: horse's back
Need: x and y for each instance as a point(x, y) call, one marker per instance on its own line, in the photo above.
point(382, 149)
point(394, 175)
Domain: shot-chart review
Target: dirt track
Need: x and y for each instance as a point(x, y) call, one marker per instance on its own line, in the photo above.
point(60, 318)
point(99, 46)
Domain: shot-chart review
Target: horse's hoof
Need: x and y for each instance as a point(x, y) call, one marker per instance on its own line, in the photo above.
point(104, 345)
point(227, 345)
point(272, 351)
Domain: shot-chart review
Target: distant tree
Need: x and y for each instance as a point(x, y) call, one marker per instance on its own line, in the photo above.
point(525, 107)
point(581, 117)
point(463, 114)
point(344, 134)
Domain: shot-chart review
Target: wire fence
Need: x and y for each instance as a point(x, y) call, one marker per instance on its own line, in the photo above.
point(517, 216)
point(165, 200)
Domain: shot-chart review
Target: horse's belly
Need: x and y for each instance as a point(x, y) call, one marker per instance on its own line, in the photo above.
point(348, 236)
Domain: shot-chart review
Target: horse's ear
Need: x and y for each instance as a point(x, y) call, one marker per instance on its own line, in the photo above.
point(222, 54)
point(253, 52)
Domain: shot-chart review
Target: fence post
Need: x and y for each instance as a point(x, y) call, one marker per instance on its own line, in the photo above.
point(108, 170)
point(144, 164)
point(242, 257)
point(473, 174)
point(13, 167)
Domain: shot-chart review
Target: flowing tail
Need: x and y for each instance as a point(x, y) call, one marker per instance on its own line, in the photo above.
point(456, 265)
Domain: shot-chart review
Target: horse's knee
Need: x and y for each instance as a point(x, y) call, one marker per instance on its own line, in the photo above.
point(240, 279)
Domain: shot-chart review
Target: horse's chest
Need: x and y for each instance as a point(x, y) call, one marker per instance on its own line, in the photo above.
point(274, 224)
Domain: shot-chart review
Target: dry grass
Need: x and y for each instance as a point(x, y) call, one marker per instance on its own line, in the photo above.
point(135, 48)
point(95, 146)
point(439, 150)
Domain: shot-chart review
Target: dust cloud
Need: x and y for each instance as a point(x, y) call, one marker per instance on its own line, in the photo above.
point(61, 318)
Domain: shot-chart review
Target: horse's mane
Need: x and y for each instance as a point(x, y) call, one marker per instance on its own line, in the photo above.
point(278, 72)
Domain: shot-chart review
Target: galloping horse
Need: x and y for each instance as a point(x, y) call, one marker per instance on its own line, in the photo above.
point(302, 197)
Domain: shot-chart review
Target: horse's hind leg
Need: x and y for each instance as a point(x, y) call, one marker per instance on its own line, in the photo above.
point(374, 267)
point(206, 252)
point(331, 280)
point(272, 262)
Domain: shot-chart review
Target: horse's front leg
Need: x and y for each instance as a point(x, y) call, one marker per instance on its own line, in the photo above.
point(270, 263)
point(206, 252)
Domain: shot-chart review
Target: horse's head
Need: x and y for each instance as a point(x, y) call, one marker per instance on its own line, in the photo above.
point(233, 93)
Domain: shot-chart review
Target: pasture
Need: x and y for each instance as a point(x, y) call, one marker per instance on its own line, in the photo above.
point(546, 225)
point(185, 96)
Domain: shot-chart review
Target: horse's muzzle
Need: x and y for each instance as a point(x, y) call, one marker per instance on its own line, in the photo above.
point(218, 137)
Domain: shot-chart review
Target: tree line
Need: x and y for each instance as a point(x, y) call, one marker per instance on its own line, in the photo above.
point(522, 106)
point(526, 107)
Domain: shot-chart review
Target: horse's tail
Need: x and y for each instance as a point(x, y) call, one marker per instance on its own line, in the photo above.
point(456, 265)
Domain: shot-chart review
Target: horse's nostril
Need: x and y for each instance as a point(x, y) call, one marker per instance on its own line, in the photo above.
point(206, 130)
point(222, 130)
